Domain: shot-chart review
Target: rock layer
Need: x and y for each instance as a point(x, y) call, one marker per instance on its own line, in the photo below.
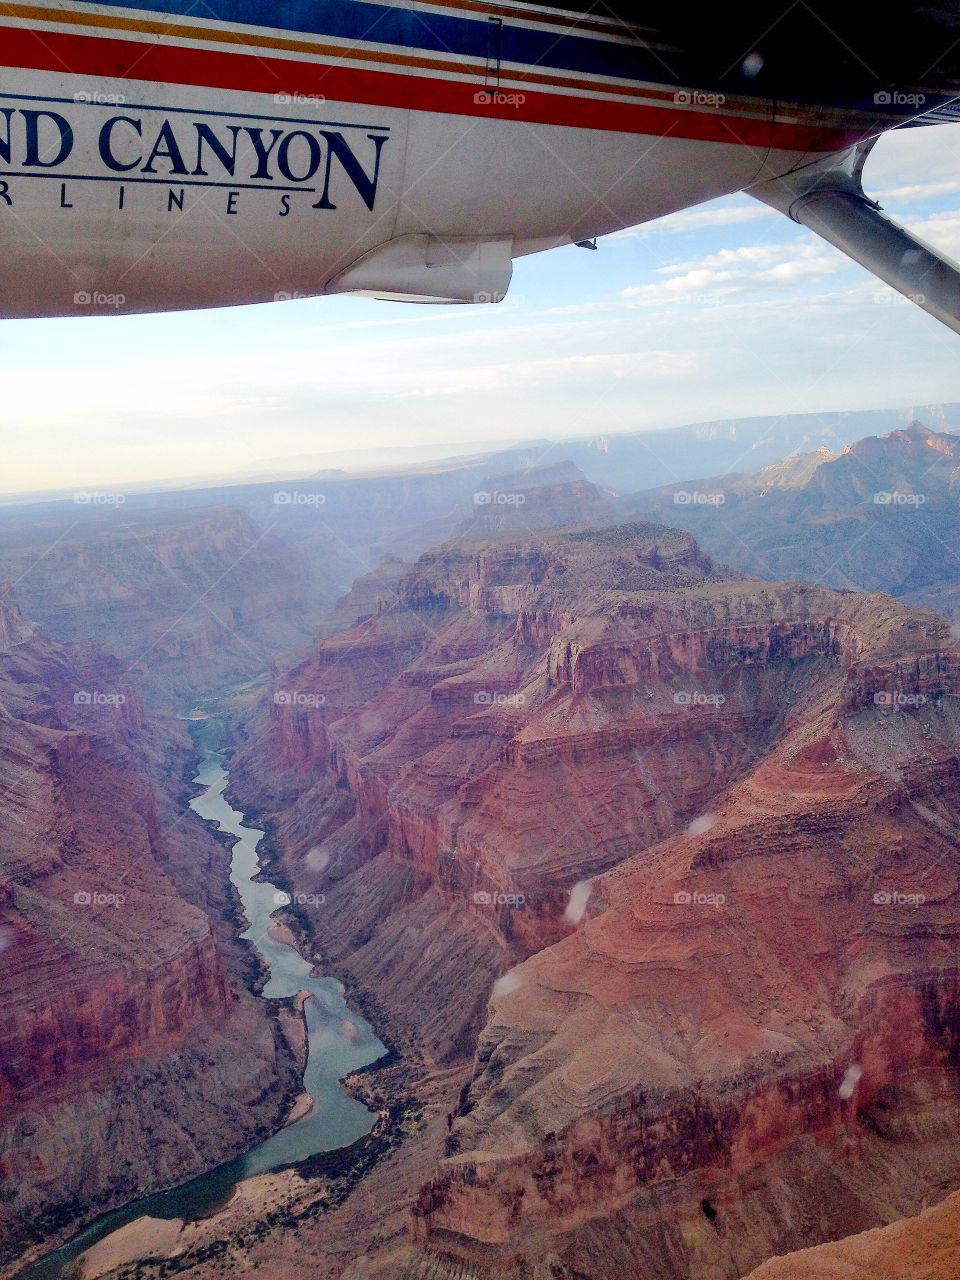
point(189, 599)
point(700, 831)
point(879, 516)
point(926, 1247)
point(130, 1054)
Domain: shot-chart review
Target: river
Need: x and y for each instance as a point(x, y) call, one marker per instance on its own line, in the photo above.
point(339, 1040)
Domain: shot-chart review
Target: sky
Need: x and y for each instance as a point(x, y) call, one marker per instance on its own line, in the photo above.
point(725, 310)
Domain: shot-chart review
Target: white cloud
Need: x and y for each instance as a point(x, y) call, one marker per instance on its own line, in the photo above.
point(582, 346)
point(731, 272)
point(913, 157)
point(919, 190)
point(942, 230)
point(752, 255)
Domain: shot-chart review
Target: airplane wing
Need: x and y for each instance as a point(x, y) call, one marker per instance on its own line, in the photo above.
point(840, 54)
point(840, 57)
point(948, 113)
point(153, 157)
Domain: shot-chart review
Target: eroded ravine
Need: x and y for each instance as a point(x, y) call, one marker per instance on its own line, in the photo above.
point(339, 1040)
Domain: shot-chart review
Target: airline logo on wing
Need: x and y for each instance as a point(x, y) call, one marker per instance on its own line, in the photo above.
point(85, 143)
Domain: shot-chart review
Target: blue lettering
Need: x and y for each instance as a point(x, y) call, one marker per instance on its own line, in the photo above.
point(227, 158)
point(33, 156)
point(263, 153)
point(6, 143)
point(166, 148)
point(106, 141)
point(283, 156)
point(365, 185)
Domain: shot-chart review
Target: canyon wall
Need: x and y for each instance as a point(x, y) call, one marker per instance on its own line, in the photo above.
point(880, 515)
point(131, 1054)
point(190, 600)
point(670, 855)
point(924, 1247)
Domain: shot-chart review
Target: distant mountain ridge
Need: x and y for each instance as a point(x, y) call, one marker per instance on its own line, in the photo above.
point(646, 459)
point(882, 516)
point(621, 459)
point(541, 497)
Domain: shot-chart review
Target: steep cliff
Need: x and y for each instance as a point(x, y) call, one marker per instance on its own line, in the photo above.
point(753, 1035)
point(130, 1054)
point(188, 599)
point(434, 732)
point(925, 1247)
point(671, 855)
point(881, 515)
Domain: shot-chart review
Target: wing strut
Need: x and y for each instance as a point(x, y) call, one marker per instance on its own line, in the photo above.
point(828, 198)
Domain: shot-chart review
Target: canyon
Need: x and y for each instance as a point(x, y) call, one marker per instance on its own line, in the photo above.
point(624, 459)
point(924, 1247)
point(200, 591)
point(126, 1001)
point(185, 599)
point(131, 1052)
point(654, 867)
point(877, 515)
point(641, 860)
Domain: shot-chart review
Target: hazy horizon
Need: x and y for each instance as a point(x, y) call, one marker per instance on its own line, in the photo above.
point(724, 311)
point(398, 459)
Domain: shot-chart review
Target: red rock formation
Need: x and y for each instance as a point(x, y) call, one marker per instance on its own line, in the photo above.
point(116, 1006)
point(926, 1247)
point(880, 516)
point(191, 597)
point(748, 1042)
